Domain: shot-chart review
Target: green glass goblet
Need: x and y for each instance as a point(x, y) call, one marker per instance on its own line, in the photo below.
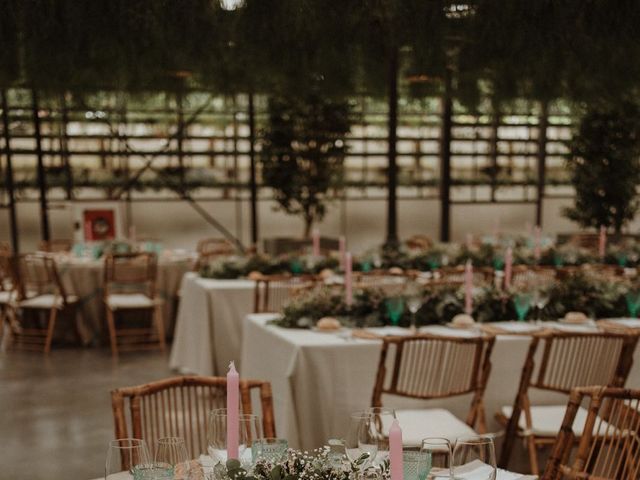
point(395, 309)
point(522, 303)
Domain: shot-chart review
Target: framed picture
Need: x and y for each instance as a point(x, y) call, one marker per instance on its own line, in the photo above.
point(99, 221)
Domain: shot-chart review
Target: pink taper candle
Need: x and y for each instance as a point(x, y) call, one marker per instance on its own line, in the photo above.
point(468, 287)
point(536, 243)
point(602, 242)
point(233, 419)
point(395, 451)
point(508, 266)
point(316, 242)
point(343, 250)
point(348, 282)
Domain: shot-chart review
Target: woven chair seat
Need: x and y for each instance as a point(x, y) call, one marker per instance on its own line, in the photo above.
point(125, 301)
point(431, 422)
point(546, 420)
point(47, 301)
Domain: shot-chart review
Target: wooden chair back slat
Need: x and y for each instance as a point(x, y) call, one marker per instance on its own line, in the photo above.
point(432, 366)
point(609, 447)
point(572, 360)
point(37, 274)
point(180, 407)
point(131, 273)
point(272, 292)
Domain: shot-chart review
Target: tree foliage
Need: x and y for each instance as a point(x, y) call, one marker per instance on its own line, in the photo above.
point(303, 152)
point(605, 167)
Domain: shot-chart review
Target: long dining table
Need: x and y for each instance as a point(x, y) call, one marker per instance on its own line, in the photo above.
point(319, 378)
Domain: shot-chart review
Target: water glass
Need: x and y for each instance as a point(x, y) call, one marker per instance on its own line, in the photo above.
point(171, 455)
point(250, 430)
point(522, 303)
point(415, 464)
point(476, 457)
point(270, 449)
point(395, 308)
point(633, 302)
point(126, 455)
point(382, 418)
point(361, 438)
point(438, 456)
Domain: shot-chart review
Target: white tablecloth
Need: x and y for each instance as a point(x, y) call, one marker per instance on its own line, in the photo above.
point(318, 379)
point(208, 331)
point(85, 278)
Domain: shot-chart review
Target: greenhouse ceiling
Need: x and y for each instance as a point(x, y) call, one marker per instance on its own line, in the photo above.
point(581, 50)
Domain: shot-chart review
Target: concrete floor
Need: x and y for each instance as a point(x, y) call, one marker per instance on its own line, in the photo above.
point(55, 411)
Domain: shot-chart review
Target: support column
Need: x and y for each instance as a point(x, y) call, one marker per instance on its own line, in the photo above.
point(543, 123)
point(65, 148)
point(392, 174)
point(445, 158)
point(253, 182)
point(45, 231)
point(13, 219)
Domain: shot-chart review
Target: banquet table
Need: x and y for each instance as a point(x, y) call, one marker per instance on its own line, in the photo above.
point(318, 379)
point(84, 278)
point(209, 326)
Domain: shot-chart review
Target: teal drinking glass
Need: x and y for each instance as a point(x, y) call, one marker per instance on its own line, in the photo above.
point(522, 303)
point(633, 302)
point(395, 309)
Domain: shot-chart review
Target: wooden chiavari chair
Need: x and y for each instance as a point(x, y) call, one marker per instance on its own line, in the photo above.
point(381, 280)
point(209, 249)
point(609, 447)
point(180, 406)
point(533, 275)
point(56, 245)
point(272, 292)
point(431, 367)
point(41, 299)
point(7, 285)
point(455, 276)
point(130, 286)
point(567, 361)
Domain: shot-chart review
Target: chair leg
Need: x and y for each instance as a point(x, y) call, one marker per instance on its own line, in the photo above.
point(112, 333)
point(157, 313)
point(53, 314)
point(533, 454)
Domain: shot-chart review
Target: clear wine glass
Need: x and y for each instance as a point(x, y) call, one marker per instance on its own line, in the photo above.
point(438, 455)
point(414, 302)
point(125, 458)
point(171, 455)
point(381, 418)
point(249, 430)
point(474, 456)
point(361, 438)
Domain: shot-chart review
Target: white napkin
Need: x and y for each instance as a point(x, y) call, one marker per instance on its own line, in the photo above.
point(389, 331)
point(571, 327)
point(449, 331)
point(517, 327)
point(627, 322)
point(477, 470)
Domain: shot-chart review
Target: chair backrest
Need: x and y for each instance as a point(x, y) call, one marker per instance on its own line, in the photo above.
point(609, 447)
point(180, 407)
point(215, 246)
point(389, 284)
point(7, 274)
point(433, 366)
point(130, 273)
point(56, 245)
point(37, 274)
point(533, 276)
point(272, 292)
point(456, 275)
point(571, 360)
